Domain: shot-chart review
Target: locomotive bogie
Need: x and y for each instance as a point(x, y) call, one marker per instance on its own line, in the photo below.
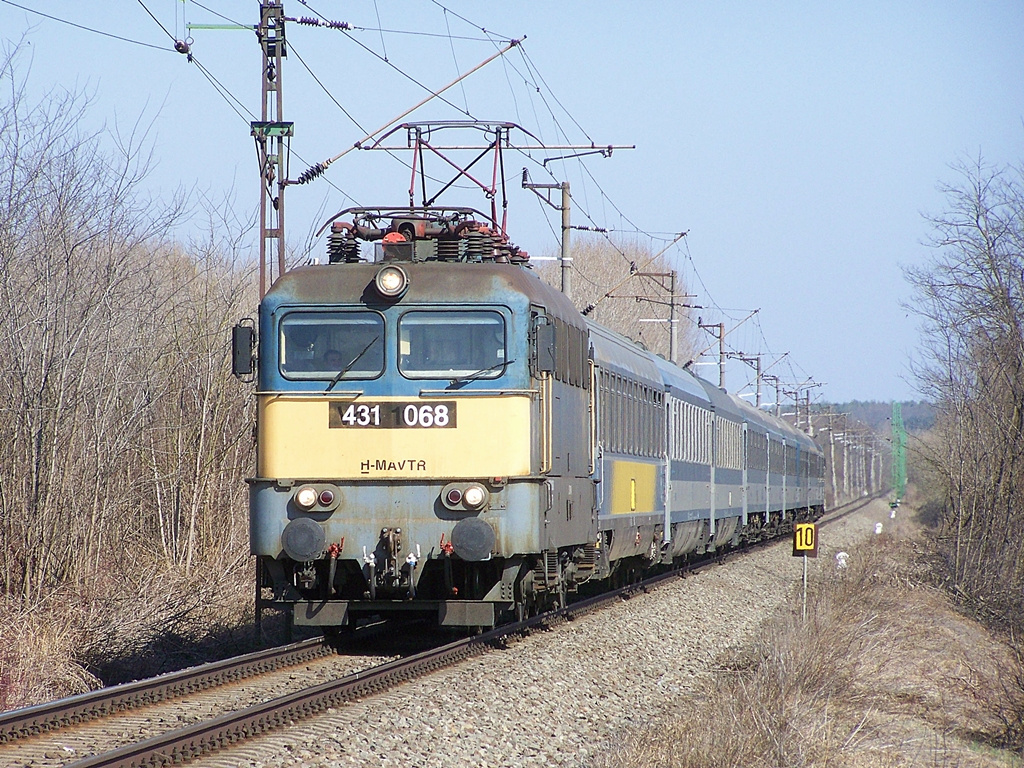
point(689, 537)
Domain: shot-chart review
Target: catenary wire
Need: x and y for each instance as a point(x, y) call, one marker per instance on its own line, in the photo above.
point(222, 16)
point(158, 22)
point(384, 59)
point(88, 29)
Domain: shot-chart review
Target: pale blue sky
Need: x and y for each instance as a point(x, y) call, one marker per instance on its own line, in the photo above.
point(799, 143)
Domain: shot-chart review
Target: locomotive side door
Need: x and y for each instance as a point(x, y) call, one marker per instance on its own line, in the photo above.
point(562, 365)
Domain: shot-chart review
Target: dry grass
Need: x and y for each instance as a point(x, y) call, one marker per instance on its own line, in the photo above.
point(36, 662)
point(883, 673)
point(119, 628)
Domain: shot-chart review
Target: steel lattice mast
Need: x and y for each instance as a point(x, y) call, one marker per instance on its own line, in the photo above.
point(899, 452)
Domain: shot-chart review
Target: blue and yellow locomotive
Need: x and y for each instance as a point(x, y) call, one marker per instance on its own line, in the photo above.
point(440, 431)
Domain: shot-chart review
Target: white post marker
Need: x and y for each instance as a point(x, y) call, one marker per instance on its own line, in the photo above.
point(805, 544)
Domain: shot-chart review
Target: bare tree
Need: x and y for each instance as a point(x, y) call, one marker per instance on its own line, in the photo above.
point(72, 256)
point(125, 438)
point(970, 296)
point(639, 305)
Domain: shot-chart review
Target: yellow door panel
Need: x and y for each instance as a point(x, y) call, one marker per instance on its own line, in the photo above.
point(634, 486)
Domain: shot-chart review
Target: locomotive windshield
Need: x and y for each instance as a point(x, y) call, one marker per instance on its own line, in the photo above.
point(319, 345)
point(449, 344)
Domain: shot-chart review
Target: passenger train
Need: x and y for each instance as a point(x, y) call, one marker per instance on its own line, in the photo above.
point(440, 431)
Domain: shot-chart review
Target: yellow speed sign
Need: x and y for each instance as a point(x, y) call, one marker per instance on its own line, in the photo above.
point(805, 540)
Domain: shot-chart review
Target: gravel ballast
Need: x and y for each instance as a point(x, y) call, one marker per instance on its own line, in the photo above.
point(564, 696)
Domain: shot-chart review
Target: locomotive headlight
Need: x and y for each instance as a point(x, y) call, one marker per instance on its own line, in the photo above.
point(391, 281)
point(474, 496)
point(306, 497)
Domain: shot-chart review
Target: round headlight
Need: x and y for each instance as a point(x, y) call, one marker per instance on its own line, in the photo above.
point(306, 497)
point(391, 281)
point(474, 496)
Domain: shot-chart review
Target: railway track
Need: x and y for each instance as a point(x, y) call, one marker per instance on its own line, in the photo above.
point(74, 710)
point(54, 733)
point(175, 745)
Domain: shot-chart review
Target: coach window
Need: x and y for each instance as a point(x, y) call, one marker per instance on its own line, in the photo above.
point(645, 420)
point(633, 420)
point(695, 429)
point(638, 419)
point(616, 416)
point(620, 414)
point(320, 345)
point(441, 345)
point(641, 420)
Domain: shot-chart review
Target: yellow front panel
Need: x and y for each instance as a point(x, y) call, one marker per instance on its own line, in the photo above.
point(633, 487)
point(491, 439)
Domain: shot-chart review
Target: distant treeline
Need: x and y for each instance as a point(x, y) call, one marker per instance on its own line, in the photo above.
point(917, 416)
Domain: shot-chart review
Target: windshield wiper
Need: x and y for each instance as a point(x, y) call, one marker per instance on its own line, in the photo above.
point(351, 362)
point(458, 381)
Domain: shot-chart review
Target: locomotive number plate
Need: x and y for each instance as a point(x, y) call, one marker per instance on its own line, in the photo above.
point(376, 415)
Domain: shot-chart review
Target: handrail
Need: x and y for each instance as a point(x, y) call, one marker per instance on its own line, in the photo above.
point(477, 392)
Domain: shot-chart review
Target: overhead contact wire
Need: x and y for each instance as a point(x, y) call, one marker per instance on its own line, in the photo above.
point(344, 111)
point(85, 28)
point(455, 59)
point(158, 22)
point(383, 45)
point(397, 69)
point(221, 15)
point(467, 21)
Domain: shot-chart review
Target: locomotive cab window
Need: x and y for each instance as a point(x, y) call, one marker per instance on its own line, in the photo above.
point(438, 345)
point(320, 345)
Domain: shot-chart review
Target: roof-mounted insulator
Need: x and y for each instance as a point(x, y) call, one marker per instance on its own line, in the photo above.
point(342, 245)
point(310, 21)
point(478, 244)
point(448, 248)
point(311, 173)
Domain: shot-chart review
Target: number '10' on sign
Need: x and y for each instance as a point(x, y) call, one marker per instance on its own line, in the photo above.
point(805, 540)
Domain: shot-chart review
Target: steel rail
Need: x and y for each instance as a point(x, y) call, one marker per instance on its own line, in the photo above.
point(30, 721)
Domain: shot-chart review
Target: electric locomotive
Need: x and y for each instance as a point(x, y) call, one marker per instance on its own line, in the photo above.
point(421, 418)
point(439, 431)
